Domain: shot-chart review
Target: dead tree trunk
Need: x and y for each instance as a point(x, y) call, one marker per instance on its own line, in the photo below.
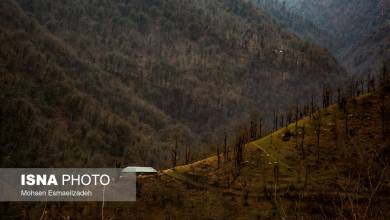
point(302, 142)
point(188, 154)
point(225, 148)
point(174, 153)
point(218, 155)
point(260, 127)
point(317, 129)
point(383, 117)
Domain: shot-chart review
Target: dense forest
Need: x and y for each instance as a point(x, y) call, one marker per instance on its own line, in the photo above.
point(125, 79)
point(360, 30)
point(283, 13)
point(248, 109)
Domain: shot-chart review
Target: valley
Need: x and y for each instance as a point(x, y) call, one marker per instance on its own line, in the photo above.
point(248, 109)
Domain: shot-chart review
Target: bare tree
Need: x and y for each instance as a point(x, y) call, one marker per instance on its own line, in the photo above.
point(296, 126)
point(281, 120)
point(346, 117)
point(317, 130)
point(174, 153)
point(218, 155)
point(225, 147)
point(312, 110)
point(326, 96)
point(296, 117)
point(188, 154)
point(253, 129)
point(302, 141)
point(260, 127)
point(238, 151)
point(275, 122)
point(383, 114)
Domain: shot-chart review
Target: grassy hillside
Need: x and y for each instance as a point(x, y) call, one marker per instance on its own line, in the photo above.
point(345, 175)
point(333, 164)
point(89, 83)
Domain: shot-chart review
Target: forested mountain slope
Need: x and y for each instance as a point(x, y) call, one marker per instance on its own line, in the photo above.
point(93, 82)
point(58, 110)
point(295, 22)
point(360, 28)
point(369, 54)
point(332, 164)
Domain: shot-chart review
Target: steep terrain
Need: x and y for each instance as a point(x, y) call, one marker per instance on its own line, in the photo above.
point(360, 29)
point(295, 22)
point(88, 83)
point(370, 53)
point(333, 164)
point(52, 112)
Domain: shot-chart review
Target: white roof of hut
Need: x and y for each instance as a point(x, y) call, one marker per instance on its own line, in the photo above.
point(139, 170)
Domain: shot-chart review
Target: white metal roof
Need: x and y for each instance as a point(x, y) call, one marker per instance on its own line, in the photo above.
point(139, 170)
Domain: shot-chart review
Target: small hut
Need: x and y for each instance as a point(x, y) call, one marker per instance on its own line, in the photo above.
point(139, 170)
